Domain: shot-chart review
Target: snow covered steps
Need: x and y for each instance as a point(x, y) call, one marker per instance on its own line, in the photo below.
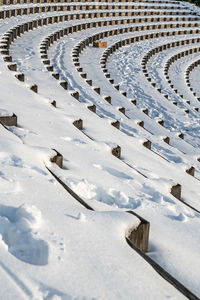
point(138, 237)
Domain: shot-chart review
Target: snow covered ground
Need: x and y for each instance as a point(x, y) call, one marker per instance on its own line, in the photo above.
point(51, 246)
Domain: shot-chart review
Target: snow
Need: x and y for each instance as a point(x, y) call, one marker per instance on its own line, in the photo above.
point(51, 246)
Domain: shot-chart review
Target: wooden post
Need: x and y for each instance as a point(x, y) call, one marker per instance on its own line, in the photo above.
point(83, 75)
point(57, 159)
point(161, 122)
point(176, 191)
point(166, 140)
point(181, 136)
point(191, 171)
point(122, 110)
point(123, 93)
point(134, 102)
point(78, 124)
point(7, 58)
point(44, 56)
point(12, 67)
point(147, 144)
point(55, 75)
point(9, 120)
point(92, 108)
point(79, 69)
point(53, 103)
point(116, 151)
point(116, 124)
point(97, 90)
point(49, 68)
point(108, 99)
point(46, 62)
point(141, 124)
point(145, 111)
point(34, 88)
point(75, 95)
point(20, 77)
point(89, 82)
point(139, 237)
point(64, 84)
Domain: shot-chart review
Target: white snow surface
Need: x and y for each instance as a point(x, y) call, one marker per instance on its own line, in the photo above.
point(51, 246)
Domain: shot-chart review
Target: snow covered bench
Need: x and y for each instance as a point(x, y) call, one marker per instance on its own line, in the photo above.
point(56, 8)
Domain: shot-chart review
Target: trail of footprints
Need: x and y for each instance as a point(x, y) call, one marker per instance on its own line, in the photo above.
point(137, 23)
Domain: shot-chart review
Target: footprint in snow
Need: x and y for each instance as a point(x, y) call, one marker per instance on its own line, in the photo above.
point(59, 244)
point(181, 217)
point(17, 227)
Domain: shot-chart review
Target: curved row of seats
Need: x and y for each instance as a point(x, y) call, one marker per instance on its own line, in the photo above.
point(169, 62)
point(103, 64)
point(179, 56)
point(39, 9)
point(194, 65)
point(55, 8)
point(13, 33)
point(92, 39)
point(150, 53)
point(13, 2)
